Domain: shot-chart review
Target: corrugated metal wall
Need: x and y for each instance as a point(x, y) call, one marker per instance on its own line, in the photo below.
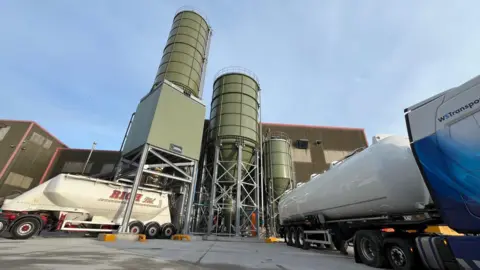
point(73, 160)
point(32, 152)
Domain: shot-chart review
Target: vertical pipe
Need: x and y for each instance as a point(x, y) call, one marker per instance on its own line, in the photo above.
point(204, 67)
point(193, 186)
point(88, 158)
point(239, 188)
point(257, 193)
point(261, 158)
point(133, 192)
point(213, 190)
point(118, 165)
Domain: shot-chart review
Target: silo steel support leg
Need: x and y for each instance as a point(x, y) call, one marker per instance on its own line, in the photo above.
point(133, 192)
point(257, 192)
point(193, 185)
point(213, 190)
point(239, 189)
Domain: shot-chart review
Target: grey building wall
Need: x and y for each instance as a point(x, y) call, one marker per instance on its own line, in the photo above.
point(29, 148)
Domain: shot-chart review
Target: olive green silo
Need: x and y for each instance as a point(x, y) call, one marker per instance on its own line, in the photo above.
point(234, 114)
point(278, 162)
point(185, 54)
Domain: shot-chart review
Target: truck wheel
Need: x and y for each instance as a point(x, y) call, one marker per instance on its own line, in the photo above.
point(25, 228)
point(293, 236)
point(399, 255)
point(167, 230)
point(368, 245)
point(287, 236)
point(301, 239)
point(136, 227)
point(3, 225)
point(152, 229)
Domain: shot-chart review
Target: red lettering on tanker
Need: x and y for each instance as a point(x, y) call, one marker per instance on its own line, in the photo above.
point(123, 196)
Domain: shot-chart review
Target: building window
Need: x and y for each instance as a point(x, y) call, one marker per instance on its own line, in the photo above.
point(334, 155)
point(301, 144)
point(18, 180)
point(106, 168)
point(37, 138)
point(76, 167)
point(3, 131)
point(47, 144)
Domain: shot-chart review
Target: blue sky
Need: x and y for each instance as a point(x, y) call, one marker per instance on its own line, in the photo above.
point(79, 68)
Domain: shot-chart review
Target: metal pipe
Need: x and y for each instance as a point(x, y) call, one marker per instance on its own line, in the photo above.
point(133, 192)
point(239, 189)
point(257, 193)
point(213, 190)
point(118, 166)
point(261, 159)
point(88, 158)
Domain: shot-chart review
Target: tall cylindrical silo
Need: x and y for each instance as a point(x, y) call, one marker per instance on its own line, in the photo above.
point(185, 54)
point(278, 163)
point(234, 119)
point(279, 172)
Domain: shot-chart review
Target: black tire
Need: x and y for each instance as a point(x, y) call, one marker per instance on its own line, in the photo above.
point(301, 239)
point(368, 246)
point(3, 225)
point(293, 236)
point(136, 227)
point(287, 236)
point(168, 230)
point(152, 229)
point(400, 255)
point(24, 228)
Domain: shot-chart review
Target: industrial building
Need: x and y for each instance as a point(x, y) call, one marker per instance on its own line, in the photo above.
point(25, 151)
point(74, 161)
point(314, 148)
point(169, 145)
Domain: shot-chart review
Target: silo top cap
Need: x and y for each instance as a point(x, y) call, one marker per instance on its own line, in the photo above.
point(192, 9)
point(236, 70)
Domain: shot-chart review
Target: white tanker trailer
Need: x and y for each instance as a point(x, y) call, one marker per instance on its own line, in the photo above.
point(383, 179)
point(83, 204)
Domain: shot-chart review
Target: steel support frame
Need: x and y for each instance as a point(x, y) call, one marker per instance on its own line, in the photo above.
point(149, 158)
point(215, 189)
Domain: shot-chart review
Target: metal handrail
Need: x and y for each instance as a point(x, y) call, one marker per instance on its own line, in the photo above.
point(238, 70)
point(193, 9)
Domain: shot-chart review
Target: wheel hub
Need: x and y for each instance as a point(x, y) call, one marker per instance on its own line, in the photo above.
point(152, 231)
point(398, 256)
point(168, 232)
point(25, 229)
point(367, 250)
point(135, 230)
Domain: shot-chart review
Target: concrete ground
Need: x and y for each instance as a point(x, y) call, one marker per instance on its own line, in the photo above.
point(85, 253)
